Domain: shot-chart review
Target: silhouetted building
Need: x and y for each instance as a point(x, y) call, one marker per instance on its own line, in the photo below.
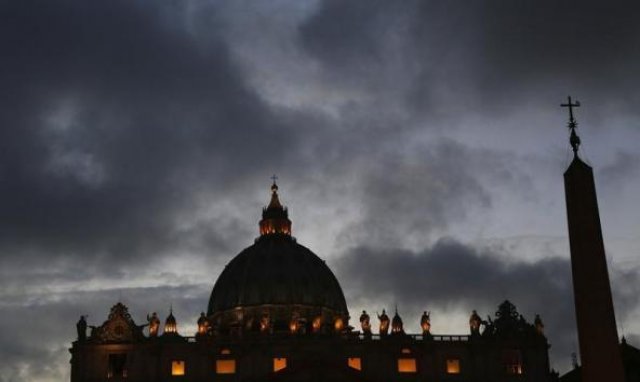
point(278, 313)
point(597, 332)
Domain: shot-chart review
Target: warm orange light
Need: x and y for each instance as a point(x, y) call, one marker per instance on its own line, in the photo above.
point(453, 366)
point(338, 324)
point(406, 365)
point(177, 367)
point(264, 324)
point(171, 325)
point(225, 366)
point(279, 364)
point(317, 322)
point(513, 362)
point(354, 363)
point(293, 326)
point(514, 369)
point(225, 351)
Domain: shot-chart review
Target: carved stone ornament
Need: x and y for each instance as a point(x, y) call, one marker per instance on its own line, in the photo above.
point(509, 323)
point(119, 327)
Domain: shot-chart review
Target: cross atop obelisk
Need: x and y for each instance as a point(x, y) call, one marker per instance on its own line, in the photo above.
point(574, 139)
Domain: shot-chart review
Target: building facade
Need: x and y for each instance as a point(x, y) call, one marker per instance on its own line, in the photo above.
point(277, 312)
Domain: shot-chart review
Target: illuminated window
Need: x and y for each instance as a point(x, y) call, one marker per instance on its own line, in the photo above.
point(279, 364)
point(177, 367)
point(513, 362)
point(117, 366)
point(225, 351)
point(405, 351)
point(338, 324)
point(225, 366)
point(354, 363)
point(293, 326)
point(453, 366)
point(317, 323)
point(406, 365)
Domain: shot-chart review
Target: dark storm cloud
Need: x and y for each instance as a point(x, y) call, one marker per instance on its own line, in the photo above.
point(452, 276)
point(407, 198)
point(624, 166)
point(110, 118)
point(484, 53)
point(347, 34)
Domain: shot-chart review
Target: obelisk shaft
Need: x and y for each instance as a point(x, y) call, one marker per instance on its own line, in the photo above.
point(597, 332)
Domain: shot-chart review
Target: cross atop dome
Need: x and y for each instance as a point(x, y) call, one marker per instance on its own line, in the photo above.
point(275, 201)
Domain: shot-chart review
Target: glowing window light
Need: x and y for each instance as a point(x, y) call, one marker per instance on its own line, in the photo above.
point(514, 369)
point(317, 323)
point(117, 366)
point(225, 351)
point(225, 366)
point(406, 365)
point(293, 326)
point(177, 367)
point(338, 324)
point(354, 363)
point(279, 364)
point(453, 366)
point(513, 362)
point(264, 323)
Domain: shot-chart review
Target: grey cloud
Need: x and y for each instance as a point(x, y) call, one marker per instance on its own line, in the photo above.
point(344, 35)
point(402, 200)
point(37, 346)
point(416, 196)
point(449, 269)
point(112, 121)
point(452, 276)
point(625, 165)
point(484, 54)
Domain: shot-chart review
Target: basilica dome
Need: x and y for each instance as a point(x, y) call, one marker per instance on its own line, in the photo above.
point(276, 270)
point(277, 280)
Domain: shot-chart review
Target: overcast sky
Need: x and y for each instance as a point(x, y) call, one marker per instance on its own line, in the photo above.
point(419, 146)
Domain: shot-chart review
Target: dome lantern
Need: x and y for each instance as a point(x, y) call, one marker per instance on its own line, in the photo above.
point(275, 217)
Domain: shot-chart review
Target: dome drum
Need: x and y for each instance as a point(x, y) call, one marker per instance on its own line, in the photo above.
point(270, 319)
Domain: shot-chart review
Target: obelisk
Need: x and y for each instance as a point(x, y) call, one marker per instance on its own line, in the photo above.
point(597, 331)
